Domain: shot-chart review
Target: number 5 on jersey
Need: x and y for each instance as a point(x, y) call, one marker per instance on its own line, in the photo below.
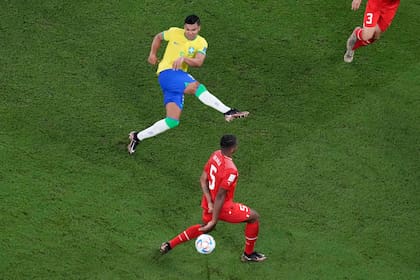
point(243, 208)
point(212, 181)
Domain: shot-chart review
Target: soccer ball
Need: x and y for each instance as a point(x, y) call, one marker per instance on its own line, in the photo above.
point(205, 244)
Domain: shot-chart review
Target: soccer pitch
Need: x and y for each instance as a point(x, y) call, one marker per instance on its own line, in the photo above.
point(329, 157)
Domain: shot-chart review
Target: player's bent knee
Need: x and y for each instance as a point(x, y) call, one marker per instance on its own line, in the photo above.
point(368, 33)
point(172, 123)
point(254, 216)
point(191, 88)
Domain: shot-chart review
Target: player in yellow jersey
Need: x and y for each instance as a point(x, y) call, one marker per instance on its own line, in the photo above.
point(185, 48)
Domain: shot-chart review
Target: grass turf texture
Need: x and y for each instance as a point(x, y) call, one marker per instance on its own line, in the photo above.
point(330, 156)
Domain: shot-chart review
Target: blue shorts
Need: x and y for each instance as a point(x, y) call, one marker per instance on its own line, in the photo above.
point(173, 84)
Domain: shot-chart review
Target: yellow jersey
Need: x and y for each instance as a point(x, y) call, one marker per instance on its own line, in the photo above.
point(178, 45)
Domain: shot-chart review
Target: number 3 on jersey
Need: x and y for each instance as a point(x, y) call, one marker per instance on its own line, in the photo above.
point(369, 18)
point(212, 181)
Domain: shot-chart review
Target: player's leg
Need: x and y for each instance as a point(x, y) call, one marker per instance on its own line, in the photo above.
point(173, 114)
point(240, 213)
point(173, 98)
point(363, 36)
point(190, 233)
point(251, 236)
point(360, 37)
point(212, 101)
point(380, 19)
point(366, 36)
point(206, 97)
point(351, 41)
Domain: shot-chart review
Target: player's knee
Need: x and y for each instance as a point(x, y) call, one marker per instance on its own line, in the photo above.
point(368, 33)
point(172, 123)
point(254, 217)
point(191, 88)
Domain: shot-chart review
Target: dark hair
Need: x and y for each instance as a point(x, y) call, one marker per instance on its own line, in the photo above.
point(191, 19)
point(228, 141)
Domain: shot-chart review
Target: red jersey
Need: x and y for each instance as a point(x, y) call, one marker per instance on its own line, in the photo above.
point(221, 173)
point(384, 1)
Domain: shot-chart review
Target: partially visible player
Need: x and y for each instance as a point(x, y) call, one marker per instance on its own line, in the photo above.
point(218, 182)
point(185, 49)
point(378, 17)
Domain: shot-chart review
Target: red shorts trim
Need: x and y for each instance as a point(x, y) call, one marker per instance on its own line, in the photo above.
point(232, 213)
point(380, 12)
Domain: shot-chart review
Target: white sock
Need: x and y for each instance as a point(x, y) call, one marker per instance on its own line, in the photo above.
point(155, 129)
point(212, 101)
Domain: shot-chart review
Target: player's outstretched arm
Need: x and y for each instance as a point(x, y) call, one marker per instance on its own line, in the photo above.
point(355, 4)
point(218, 203)
point(157, 40)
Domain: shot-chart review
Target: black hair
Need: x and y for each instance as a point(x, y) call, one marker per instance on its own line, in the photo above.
point(191, 19)
point(228, 141)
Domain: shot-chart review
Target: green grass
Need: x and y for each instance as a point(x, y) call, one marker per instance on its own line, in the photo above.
point(330, 156)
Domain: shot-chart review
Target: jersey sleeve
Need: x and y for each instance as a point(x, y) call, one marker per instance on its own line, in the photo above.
point(229, 179)
point(167, 34)
point(203, 48)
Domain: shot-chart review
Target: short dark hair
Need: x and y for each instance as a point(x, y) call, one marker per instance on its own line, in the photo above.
point(191, 19)
point(228, 141)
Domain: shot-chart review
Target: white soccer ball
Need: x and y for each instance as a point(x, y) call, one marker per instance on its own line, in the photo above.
point(205, 244)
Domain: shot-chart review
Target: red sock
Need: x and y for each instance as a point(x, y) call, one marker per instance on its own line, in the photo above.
point(251, 235)
point(358, 31)
point(360, 42)
point(188, 234)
